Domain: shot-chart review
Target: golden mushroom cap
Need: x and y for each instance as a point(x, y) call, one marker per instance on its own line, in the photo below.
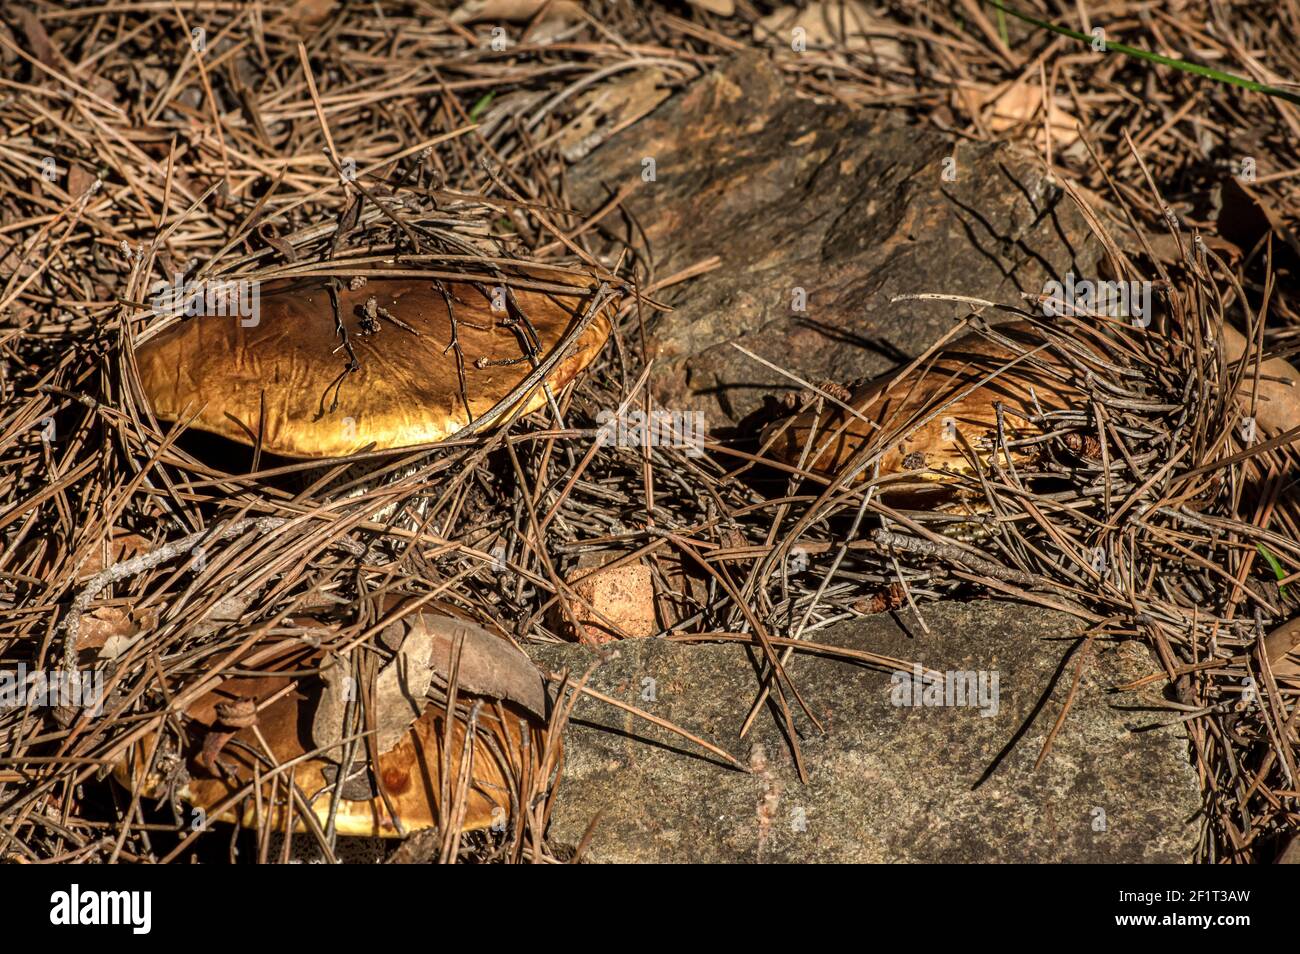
point(916, 416)
point(282, 376)
point(509, 742)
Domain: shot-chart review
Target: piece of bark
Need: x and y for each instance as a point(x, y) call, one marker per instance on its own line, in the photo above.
point(401, 687)
point(327, 722)
point(489, 665)
point(802, 200)
point(623, 598)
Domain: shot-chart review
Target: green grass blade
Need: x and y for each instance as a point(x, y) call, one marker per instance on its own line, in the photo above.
point(1277, 567)
point(1153, 57)
point(484, 102)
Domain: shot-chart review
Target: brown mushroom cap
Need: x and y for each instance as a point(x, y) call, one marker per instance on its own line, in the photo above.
point(283, 374)
point(509, 740)
point(946, 386)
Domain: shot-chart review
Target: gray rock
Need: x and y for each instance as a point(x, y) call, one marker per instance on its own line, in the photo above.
point(852, 207)
point(888, 783)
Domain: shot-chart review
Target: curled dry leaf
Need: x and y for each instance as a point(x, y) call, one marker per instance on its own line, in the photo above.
point(309, 13)
point(489, 665)
point(38, 40)
point(846, 26)
point(331, 707)
point(112, 634)
point(1169, 250)
point(721, 8)
point(230, 717)
point(513, 11)
point(79, 179)
point(1245, 215)
point(425, 644)
point(1278, 406)
point(1282, 646)
point(400, 689)
point(1021, 104)
point(105, 632)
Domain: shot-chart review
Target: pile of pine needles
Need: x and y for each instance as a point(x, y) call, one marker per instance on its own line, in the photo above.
point(221, 140)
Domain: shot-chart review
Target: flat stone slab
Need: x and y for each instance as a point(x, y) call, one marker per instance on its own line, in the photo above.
point(889, 783)
point(843, 210)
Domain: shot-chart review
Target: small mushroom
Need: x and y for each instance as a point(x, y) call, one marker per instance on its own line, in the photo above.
point(926, 419)
point(231, 728)
point(284, 375)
